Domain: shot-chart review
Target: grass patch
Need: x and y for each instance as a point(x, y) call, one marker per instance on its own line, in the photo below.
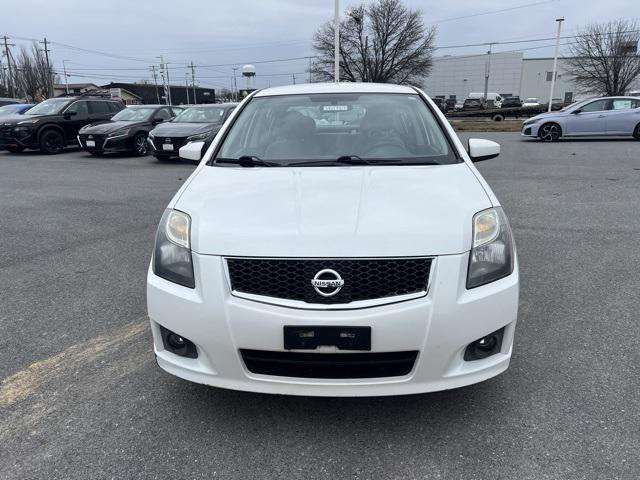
point(486, 125)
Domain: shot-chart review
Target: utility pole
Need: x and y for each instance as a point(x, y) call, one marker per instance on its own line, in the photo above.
point(66, 79)
point(487, 72)
point(166, 67)
point(8, 55)
point(155, 82)
point(164, 83)
point(235, 85)
point(193, 82)
point(555, 62)
point(336, 42)
point(186, 86)
point(46, 56)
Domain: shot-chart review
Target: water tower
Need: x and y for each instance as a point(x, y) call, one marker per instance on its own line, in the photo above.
point(249, 74)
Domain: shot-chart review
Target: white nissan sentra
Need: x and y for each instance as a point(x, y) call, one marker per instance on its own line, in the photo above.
point(335, 240)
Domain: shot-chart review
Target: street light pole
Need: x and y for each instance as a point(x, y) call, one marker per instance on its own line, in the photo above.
point(66, 79)
point(336, 42)
point(555, 62)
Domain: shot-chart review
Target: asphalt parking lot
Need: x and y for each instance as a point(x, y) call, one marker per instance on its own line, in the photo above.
point(82, 398)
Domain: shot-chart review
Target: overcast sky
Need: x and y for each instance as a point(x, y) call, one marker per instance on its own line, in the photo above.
point(215, 32)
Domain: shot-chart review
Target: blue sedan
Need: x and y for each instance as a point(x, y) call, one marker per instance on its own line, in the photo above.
point(618, 116)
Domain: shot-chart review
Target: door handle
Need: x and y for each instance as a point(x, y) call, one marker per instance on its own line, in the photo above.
point(601, 116)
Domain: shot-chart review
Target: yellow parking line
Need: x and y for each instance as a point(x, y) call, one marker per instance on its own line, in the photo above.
point(21, 384)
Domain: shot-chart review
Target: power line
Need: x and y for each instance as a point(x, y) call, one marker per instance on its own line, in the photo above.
point(518, 7)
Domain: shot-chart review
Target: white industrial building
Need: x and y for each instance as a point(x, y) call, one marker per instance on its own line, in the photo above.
point(509, 74)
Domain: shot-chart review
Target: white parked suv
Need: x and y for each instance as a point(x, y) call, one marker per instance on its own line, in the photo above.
point(335, 240)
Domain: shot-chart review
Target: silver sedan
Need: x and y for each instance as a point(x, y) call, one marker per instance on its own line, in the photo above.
point(619, 116)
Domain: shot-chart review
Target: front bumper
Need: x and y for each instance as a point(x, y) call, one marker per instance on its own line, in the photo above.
point(530, 130)
point(157, 144)
point(439, 326)
point(120, 143)
point(25, 139)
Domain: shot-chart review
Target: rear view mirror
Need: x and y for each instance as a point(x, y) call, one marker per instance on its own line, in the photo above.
point(191, 151)
point(480, 149)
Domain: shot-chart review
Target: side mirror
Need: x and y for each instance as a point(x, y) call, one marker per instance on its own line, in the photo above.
point(68, 115)
point(576, 112)
point(191, 151)
point(480, 149)
point(156, 121)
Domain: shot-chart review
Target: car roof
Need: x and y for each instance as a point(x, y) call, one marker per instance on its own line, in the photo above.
point(210, 105)
point(342, 87)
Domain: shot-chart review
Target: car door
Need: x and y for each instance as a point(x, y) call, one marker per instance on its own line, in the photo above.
point(75, 117)
point(99, 111)
point(623, 116)
point(589, 119)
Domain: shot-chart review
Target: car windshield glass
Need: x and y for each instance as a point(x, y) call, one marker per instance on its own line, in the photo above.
point(531, 100)
point(49, 107)
point(8, 109)
point(324, 128)
point(573, 105)
point(134, 114)
point(201, 115)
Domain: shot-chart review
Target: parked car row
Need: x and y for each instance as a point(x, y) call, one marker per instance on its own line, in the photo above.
point(101, 125)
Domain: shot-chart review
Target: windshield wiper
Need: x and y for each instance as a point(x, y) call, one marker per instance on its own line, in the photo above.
point(345, 160)
point(247, 161)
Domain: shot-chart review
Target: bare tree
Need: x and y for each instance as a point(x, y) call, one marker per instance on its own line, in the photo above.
point(382, 42)
point(604, 57)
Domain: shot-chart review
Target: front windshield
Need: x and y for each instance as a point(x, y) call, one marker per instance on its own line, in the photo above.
point(201, 115)
point(8, 109)
point(134, 114)
point(301, 129)
point(49, 107)
point(573, 105)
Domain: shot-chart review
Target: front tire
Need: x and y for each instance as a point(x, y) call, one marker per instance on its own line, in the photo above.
point(636, 132)
point(550, 132)
point(14, 149)
point(51, 142)
point(140, 145)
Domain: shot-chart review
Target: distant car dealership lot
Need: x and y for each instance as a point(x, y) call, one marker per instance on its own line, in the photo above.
point(74, 249)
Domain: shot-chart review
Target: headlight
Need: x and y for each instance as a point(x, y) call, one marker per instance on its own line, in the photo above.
point(172, 252)
point(492, 255)
point(199, 137)
point(530, 122)
point(119, 133)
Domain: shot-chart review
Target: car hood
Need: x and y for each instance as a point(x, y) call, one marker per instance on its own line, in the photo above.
point(108, 127)
point(542, 116)
point(182, 129)
point(333, 211)
point(14, 118)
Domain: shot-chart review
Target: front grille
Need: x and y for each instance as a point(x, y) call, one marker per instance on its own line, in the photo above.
point(99, 139)
point(329, 365)
point(5, 131)
point(364, 279)
point(177, 142)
